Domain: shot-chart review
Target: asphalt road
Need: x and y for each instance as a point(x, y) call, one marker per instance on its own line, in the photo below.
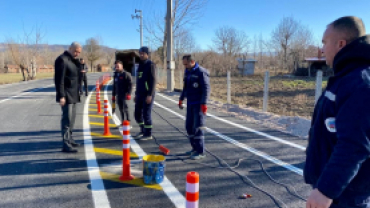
point(35, 173)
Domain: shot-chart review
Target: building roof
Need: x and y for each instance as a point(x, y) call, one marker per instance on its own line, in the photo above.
point(246, 60)
point(315, 59)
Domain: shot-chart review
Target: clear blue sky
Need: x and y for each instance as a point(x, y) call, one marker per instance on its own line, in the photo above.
point(68, 20)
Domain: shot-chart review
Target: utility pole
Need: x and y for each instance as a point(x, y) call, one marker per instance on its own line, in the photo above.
point(170, 62)
point(141, 24)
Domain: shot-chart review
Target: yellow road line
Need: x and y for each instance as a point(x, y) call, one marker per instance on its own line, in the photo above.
point(93, 104)
point(109, 137)
point(114, 152)
point(92, 109)
point(97, 116)
point(135, 182)
point(101, 124)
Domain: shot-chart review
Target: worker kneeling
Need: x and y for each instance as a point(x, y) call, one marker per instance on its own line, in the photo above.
point(196, 89)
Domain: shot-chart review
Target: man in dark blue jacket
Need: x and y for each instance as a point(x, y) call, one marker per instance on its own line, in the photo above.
point(338, 152)
point(196, 89)
point(121, 92)
point(144, 94)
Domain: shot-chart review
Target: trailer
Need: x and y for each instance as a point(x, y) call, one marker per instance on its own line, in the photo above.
point(130, 59)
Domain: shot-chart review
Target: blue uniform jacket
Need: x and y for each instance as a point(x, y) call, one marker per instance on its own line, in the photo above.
point(196, 85)
point(338, 153)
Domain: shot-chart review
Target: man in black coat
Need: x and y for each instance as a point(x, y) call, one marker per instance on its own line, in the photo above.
point(66, 79)
point(122, 87)
point(83, 77)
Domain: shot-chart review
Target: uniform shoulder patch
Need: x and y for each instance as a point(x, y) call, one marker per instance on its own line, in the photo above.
point(330, 124)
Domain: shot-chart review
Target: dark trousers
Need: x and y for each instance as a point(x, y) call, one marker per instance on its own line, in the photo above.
point(67, 122)
point(123, 108)
point(195, 119)
point(143, 114)
point(84, 82)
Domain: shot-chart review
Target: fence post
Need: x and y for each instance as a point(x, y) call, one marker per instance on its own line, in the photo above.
point(318, 90)
point(228, 88)
point(180, 81)
point(266, 91)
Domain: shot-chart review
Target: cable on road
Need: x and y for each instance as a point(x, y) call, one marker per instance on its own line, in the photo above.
point(224, 165)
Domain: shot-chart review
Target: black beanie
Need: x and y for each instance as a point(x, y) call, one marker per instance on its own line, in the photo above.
point(144, 49)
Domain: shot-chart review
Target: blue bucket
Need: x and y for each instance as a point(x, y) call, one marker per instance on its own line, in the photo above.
point(153, 169)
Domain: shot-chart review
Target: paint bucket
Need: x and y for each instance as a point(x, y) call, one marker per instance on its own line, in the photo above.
point(153, 169)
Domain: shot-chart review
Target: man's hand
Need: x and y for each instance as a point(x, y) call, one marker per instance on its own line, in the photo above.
point(318, 200)
point(148, 99)
point(62, 101)
point(181, 106)
point(204, 108)
point(128, 96)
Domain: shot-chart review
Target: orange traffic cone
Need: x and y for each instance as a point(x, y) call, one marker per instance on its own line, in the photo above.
point(106, 119)
point(126, 169)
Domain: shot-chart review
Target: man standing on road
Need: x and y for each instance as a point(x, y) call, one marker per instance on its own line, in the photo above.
point(144, 95)
point(196, 89)
point(122, 87)
point(338, 153)
point(83, 77)
point(66, 78)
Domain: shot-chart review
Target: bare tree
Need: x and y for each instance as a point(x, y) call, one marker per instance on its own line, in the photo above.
point(283, 34)
point(27, 50)
point(92, 50)
point(109, 57)
point(183, 44)
point(230, 41)
point(17, 56)
point(185, 13)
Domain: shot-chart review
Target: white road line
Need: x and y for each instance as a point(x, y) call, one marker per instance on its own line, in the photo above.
point(241, 145)
point(169, 189)
point(24, 93)
point(97, 186)
point(246, 128)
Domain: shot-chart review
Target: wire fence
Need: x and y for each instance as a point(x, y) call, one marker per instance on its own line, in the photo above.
point(278, 93)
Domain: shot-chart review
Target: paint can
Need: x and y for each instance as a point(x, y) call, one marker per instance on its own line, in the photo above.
point(153, 169)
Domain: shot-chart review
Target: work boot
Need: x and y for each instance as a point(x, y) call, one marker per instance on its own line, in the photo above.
point(191, 152)
point(68, 148)
point(146, 138)
point(138, 135)
point(198, 156)
point(74, 143)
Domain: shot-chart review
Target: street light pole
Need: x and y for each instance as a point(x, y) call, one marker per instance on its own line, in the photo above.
point(141, 24)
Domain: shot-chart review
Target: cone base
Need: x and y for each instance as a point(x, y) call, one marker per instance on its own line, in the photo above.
point(107, 134)
point(126, 178)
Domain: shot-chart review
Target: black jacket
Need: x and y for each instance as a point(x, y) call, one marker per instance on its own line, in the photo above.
point(66, 78)
point(83, 67)
point(145, 79)
point(122, 85)
point(338, 153)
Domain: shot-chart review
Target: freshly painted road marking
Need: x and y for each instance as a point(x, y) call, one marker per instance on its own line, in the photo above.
point(169, 189)
point(135, 182)
point(97, 116)
point(244, 146)
point(246, 128)
point(109, 137)
point(102, 124)
point(114, 152)
point(24, 93)
point(97, 186)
